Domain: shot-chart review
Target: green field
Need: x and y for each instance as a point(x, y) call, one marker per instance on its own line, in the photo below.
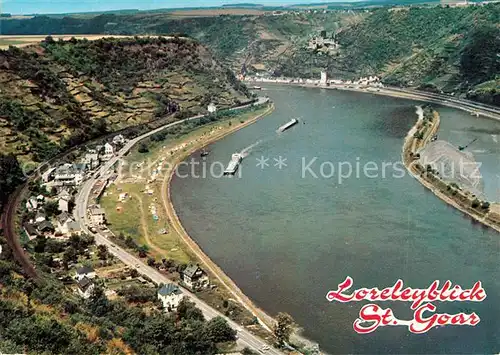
point(133, 216)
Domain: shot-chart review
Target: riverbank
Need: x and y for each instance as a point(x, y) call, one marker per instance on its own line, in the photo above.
point(144, 177)
point(171, 244)
point(474, 108)
point(127, 216)
point(490, 219)
point(417, 139)
point(264, 319)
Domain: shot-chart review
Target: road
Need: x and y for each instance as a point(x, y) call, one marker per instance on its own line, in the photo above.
point(451, 101)
point(83, 195)
point(245, 338)
point(441, 99)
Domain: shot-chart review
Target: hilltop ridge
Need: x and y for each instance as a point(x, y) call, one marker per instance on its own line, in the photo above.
point(62, 93)
point(431, 47)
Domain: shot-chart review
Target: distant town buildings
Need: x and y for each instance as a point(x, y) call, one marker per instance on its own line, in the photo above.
point(364, 82)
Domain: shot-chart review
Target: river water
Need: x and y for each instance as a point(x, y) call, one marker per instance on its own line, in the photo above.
point(287, 236)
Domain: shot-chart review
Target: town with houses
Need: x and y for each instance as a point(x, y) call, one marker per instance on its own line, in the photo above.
point(369, 82)
point(49, 216)
point(61, 184)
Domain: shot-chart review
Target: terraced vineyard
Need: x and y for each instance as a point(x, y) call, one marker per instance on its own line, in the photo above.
point(62, 93)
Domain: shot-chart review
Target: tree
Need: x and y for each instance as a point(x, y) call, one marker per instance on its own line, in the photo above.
point(283, 328)
point(75, 241)
point(40, 244)
point(54, 246)
point(70, 255)
point(138, 294)
point(130, 243)
point(49, 40)
point(98, 303)
point(219, 331)
point(143, 148)
point(102, 252)
point(248, 351)
point(187, 310)
point(143, 251)
point(51, 208)
point(11, 175)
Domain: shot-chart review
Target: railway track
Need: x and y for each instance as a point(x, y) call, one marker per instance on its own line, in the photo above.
point(9, 230)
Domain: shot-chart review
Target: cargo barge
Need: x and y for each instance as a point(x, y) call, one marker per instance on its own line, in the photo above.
point(233, 165)
point(288, 125)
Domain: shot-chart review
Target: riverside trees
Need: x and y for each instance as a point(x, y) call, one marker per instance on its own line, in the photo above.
point(283, 328)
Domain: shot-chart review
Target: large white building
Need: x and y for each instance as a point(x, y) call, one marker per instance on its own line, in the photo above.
point(85, 272)
point(170, 296)
point(92, 159)
point(212, 108)
point(109, 152)
point(97, 215)
point(63, 221)
point(85, 287)
point(119, 140)
point(69, 175)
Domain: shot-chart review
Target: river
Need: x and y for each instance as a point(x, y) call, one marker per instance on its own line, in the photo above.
point(288, 233)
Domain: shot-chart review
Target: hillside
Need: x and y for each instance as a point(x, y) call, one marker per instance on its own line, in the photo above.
point(59, 94)
point(47, 316)
point(454, 49)
point(450, 49)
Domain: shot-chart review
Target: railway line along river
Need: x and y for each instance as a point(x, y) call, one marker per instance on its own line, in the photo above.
point(330, 198)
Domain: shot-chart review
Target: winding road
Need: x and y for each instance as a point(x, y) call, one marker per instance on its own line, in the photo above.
point(245, 338)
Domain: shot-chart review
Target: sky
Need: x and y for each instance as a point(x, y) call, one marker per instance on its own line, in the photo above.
point(62, 6)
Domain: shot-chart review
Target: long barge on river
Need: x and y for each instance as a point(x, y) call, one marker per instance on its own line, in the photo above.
point(233, 165)
point(287, 125)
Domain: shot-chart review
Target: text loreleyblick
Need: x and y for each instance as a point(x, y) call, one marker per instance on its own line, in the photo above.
point(372, 316)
